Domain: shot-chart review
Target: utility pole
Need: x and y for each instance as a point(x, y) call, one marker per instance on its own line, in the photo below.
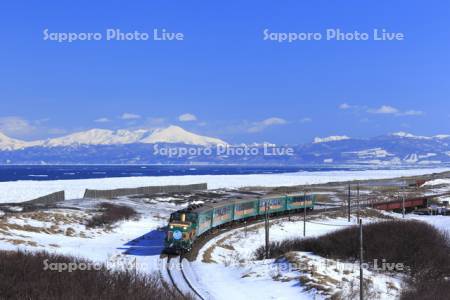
point(361, 279)
point(266, 225)
point(348, 204)
point(304, 213)
point(357, 201)
point(245, 228)
point(403, 204)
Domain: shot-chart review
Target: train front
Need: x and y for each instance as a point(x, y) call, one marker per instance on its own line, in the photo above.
point(179, 234)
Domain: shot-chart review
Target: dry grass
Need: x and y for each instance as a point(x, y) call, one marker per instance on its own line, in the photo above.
point(110, 214)
point(23, 276)
point(420, 247)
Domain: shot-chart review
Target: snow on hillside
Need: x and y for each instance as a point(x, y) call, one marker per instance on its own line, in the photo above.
point(437, 182)
point(7, 143)
point(176, 134)
point(402, 134)
point(371, 153)
point(98, 137)
point(171, 134)
point(18, 191)
point(332, 138)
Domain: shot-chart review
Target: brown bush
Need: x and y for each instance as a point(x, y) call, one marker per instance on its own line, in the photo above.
point(427, 289)
point(22, 276)
point(111, 213)
point(424, 250)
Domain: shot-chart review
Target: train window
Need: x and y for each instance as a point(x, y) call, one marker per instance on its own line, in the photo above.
point(297, 199)
point(244, 206)
point(275, 202)
point(222, 211)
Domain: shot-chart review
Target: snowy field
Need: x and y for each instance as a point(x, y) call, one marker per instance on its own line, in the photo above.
point(128, 245)
point(18, 191)
point(229, 261)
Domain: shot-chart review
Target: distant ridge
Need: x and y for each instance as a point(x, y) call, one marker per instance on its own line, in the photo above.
point(171, 134)
point(103, 146)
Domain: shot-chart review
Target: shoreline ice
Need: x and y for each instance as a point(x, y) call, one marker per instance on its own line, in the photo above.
point(19, 191)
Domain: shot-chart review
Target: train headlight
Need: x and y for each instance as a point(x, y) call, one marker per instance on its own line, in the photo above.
point(177, 235)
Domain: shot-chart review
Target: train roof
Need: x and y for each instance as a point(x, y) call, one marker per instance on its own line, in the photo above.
point(200, 208)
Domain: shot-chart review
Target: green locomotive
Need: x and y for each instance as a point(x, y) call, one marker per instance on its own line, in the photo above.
point(186, 225)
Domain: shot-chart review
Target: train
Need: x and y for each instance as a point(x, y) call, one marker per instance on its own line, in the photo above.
point(189, 224)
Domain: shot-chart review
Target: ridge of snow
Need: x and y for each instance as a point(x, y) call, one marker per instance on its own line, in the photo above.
point(442, 136)
point(97, 137)
point(370, 153)
point(176, 134)
point(7, 143)
point(403, 134)
point(333, 138)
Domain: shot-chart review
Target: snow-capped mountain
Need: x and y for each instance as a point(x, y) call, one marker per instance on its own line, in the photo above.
point(101, 146)
point(403, 134)
point(177, 135)
point(10, 144)
point(171, 134)
point(332, 138)
point(98, 137)
point(7, 143)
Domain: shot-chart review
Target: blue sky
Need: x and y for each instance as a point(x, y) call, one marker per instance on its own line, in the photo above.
point(223, 77)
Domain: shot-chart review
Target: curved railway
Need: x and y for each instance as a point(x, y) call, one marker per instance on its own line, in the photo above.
point(172, 264)
point(173, 267)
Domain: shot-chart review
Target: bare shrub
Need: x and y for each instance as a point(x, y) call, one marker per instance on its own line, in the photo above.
point(22, 276)
point(420, 247)
point(110, 214)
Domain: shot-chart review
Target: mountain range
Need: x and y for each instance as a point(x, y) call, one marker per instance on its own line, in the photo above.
point(145, 146)
point(171, 134)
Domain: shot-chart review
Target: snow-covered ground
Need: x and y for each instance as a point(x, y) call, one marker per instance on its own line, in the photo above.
point(440, 222)
point(233, 272)
point(18, 191)
point(128, 244)
point(438, 186)
point(225, 267)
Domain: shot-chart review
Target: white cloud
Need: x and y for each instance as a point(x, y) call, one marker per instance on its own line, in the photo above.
point(260, 126)
point(187, 117)
point(102, 120)
point(129, 116)
point(345, 106)
point(17, 126)
point(390, 110)
point(384, 109)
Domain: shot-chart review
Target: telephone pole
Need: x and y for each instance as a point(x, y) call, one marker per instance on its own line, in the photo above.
point(266, 226)
point(361, 279)
point(348, 204)
point(357, 201)
point(304, 213)
point(403, 204)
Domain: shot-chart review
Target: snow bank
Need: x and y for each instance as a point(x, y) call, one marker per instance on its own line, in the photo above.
point(437, 182)
point(18, 191)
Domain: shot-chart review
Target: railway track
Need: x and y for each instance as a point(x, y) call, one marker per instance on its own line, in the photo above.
point(173, 267)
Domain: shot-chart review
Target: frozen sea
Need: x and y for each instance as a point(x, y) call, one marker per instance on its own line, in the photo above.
point(43, 182)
